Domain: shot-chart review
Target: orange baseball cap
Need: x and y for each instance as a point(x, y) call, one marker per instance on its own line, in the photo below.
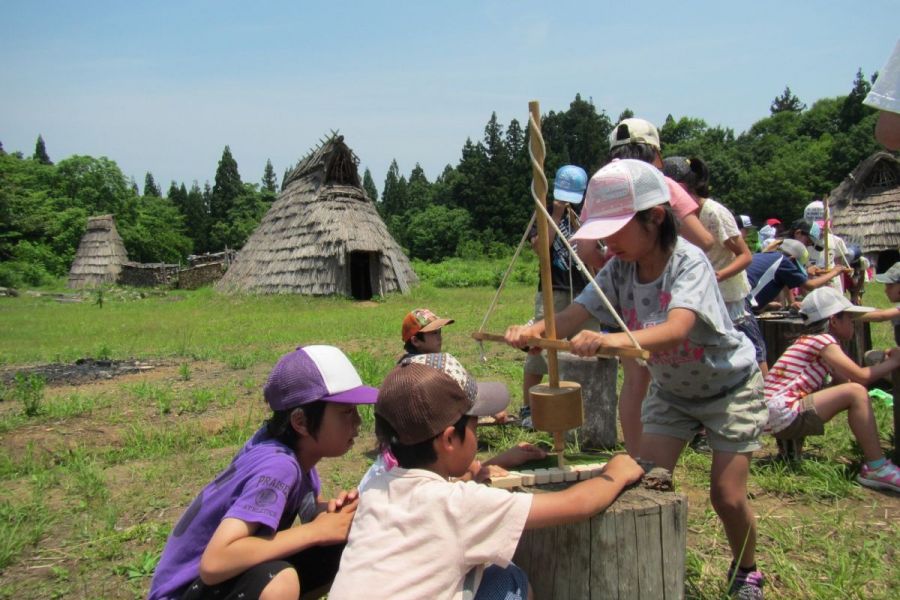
point(421, 319)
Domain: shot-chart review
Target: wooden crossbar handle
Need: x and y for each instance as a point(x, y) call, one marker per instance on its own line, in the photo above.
point(565, 345)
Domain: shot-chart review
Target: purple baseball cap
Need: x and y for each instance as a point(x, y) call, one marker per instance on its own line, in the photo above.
point(312, 373)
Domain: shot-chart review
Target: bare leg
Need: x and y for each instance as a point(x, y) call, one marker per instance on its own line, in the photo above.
point(853, 398)
point(529, 381)
point(662, 450)
point(764, 368)
point(284, 585)
point(728, 493)
point(634, 388)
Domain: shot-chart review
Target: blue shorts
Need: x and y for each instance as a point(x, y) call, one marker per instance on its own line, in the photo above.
point(498, 583)
point(750, 327)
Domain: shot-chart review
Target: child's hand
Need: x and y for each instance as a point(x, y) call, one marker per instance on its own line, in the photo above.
point(521, 453)
point(586, 343)
point(517, 337)
point(893, 355)
point(344, 501)
point(333, 527)
point(623, 467)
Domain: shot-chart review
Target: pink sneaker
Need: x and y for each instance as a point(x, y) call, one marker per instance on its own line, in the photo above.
point(885, 477)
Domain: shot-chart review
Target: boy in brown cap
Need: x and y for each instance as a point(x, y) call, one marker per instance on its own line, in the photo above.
point(421, 332)
point(417, 534)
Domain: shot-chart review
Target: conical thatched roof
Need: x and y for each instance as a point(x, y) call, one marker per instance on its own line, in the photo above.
point(100, 254)
point(321, 236)
point(865, 207)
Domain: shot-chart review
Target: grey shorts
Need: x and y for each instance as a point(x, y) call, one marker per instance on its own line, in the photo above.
point(536, 364)
point(806, 423)
point(733, 421)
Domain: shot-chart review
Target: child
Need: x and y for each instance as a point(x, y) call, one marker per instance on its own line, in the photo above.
point(236, 539)
point(891, 281)
point(729, 255)
point(798, 404)
point(567, 281)
point(421, 334)
point(417, 534)
point(703, 371)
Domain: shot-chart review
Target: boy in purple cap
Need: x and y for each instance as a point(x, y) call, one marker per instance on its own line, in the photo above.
point(237, 539)
point(419, 535)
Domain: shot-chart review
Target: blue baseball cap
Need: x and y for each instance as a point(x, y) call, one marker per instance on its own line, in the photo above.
point(569, 184)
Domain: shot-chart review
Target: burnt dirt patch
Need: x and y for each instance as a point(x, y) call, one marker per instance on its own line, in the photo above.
point(83, 370)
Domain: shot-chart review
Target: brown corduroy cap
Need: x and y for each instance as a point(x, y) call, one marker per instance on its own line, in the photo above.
point(427, 393)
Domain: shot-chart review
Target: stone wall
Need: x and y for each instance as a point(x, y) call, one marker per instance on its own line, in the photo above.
point(195, 277)
point(148, 275)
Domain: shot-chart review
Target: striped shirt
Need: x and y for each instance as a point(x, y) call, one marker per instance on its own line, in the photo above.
point(799, 372)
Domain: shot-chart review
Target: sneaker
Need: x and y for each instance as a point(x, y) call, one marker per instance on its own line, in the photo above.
point(746, 586)
point(885, 477)
point(525, 417)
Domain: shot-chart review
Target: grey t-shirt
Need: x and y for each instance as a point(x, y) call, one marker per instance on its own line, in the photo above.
point(714, 358)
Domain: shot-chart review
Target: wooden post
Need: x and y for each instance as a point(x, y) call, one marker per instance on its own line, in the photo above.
point(539, 182)
point(635, 549)
point(825, 229)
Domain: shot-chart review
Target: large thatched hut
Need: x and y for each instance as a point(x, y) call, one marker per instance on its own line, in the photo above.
point(865, 208)
point(100, 254)
point(321, 236)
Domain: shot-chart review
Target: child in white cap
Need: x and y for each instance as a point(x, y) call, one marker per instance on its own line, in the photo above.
point(800, 404)
point(703, 371)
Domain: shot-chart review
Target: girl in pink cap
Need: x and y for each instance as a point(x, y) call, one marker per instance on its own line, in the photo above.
point(703, 372)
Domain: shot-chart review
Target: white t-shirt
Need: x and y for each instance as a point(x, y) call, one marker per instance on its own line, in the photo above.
point(885, 94)
point(837, 250)
point(719, 221)
point(416, 535)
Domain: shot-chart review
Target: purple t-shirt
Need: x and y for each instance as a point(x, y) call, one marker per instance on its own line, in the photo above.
point(263, 484)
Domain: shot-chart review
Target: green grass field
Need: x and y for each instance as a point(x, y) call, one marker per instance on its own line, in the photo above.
point(95, 475)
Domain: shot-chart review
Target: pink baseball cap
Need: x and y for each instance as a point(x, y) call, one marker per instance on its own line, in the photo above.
point(616, 193)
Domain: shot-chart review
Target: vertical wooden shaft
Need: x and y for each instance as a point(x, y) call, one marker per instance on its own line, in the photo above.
point(539, 182)
point(540, 187)
point(826, 227)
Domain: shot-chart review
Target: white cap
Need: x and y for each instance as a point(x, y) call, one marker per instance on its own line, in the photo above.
point(745, 221)
point(616, 193)
point(825, 302)
point(814, 211)
point(638, 131)
point(795, 249)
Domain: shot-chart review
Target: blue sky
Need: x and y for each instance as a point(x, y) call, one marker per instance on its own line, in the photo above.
point(164, 86)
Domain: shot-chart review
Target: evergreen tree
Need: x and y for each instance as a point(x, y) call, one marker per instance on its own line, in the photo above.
point(626, 114)
point(196, 217)
point(418, 191)
point(853, 110)
point(369, 185)
point(150, 187)
point(227, 188)
point(393, 199)
point(786, 102)
point(2, 151)
point(269, 182)
point(134, 187)
point(40, 152)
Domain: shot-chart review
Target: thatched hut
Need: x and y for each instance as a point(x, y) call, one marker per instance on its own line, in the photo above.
point(865, 208)
point(100, 254)
point(321, 236)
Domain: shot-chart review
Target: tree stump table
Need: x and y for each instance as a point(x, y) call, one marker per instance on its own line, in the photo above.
point(597, 377)
point(633, 550)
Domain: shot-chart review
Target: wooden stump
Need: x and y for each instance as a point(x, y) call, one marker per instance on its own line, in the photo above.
point(633, 550)
point(597, 377)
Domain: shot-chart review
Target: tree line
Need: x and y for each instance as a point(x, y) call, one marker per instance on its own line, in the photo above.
point(478, 207)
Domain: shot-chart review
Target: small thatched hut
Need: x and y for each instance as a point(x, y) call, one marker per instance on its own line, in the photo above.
point(321, 236)
point(100, 254)
point(865, 208)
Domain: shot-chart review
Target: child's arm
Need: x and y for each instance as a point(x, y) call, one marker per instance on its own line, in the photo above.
point(586, 498)
point(843, 367)
point(742, 258)
point(515, 456)
point(568, 320)
point(667, 334)
point(820, 280)
point(234, 547)
point(882, 314)
point(693, 231)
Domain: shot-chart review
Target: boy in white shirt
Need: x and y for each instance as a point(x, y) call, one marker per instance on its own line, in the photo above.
point(417, 534)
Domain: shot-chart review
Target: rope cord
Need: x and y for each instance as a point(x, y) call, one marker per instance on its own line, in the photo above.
point(506, 275)
point(572, 253)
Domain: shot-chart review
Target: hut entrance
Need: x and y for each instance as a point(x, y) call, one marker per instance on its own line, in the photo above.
point(361, 274)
